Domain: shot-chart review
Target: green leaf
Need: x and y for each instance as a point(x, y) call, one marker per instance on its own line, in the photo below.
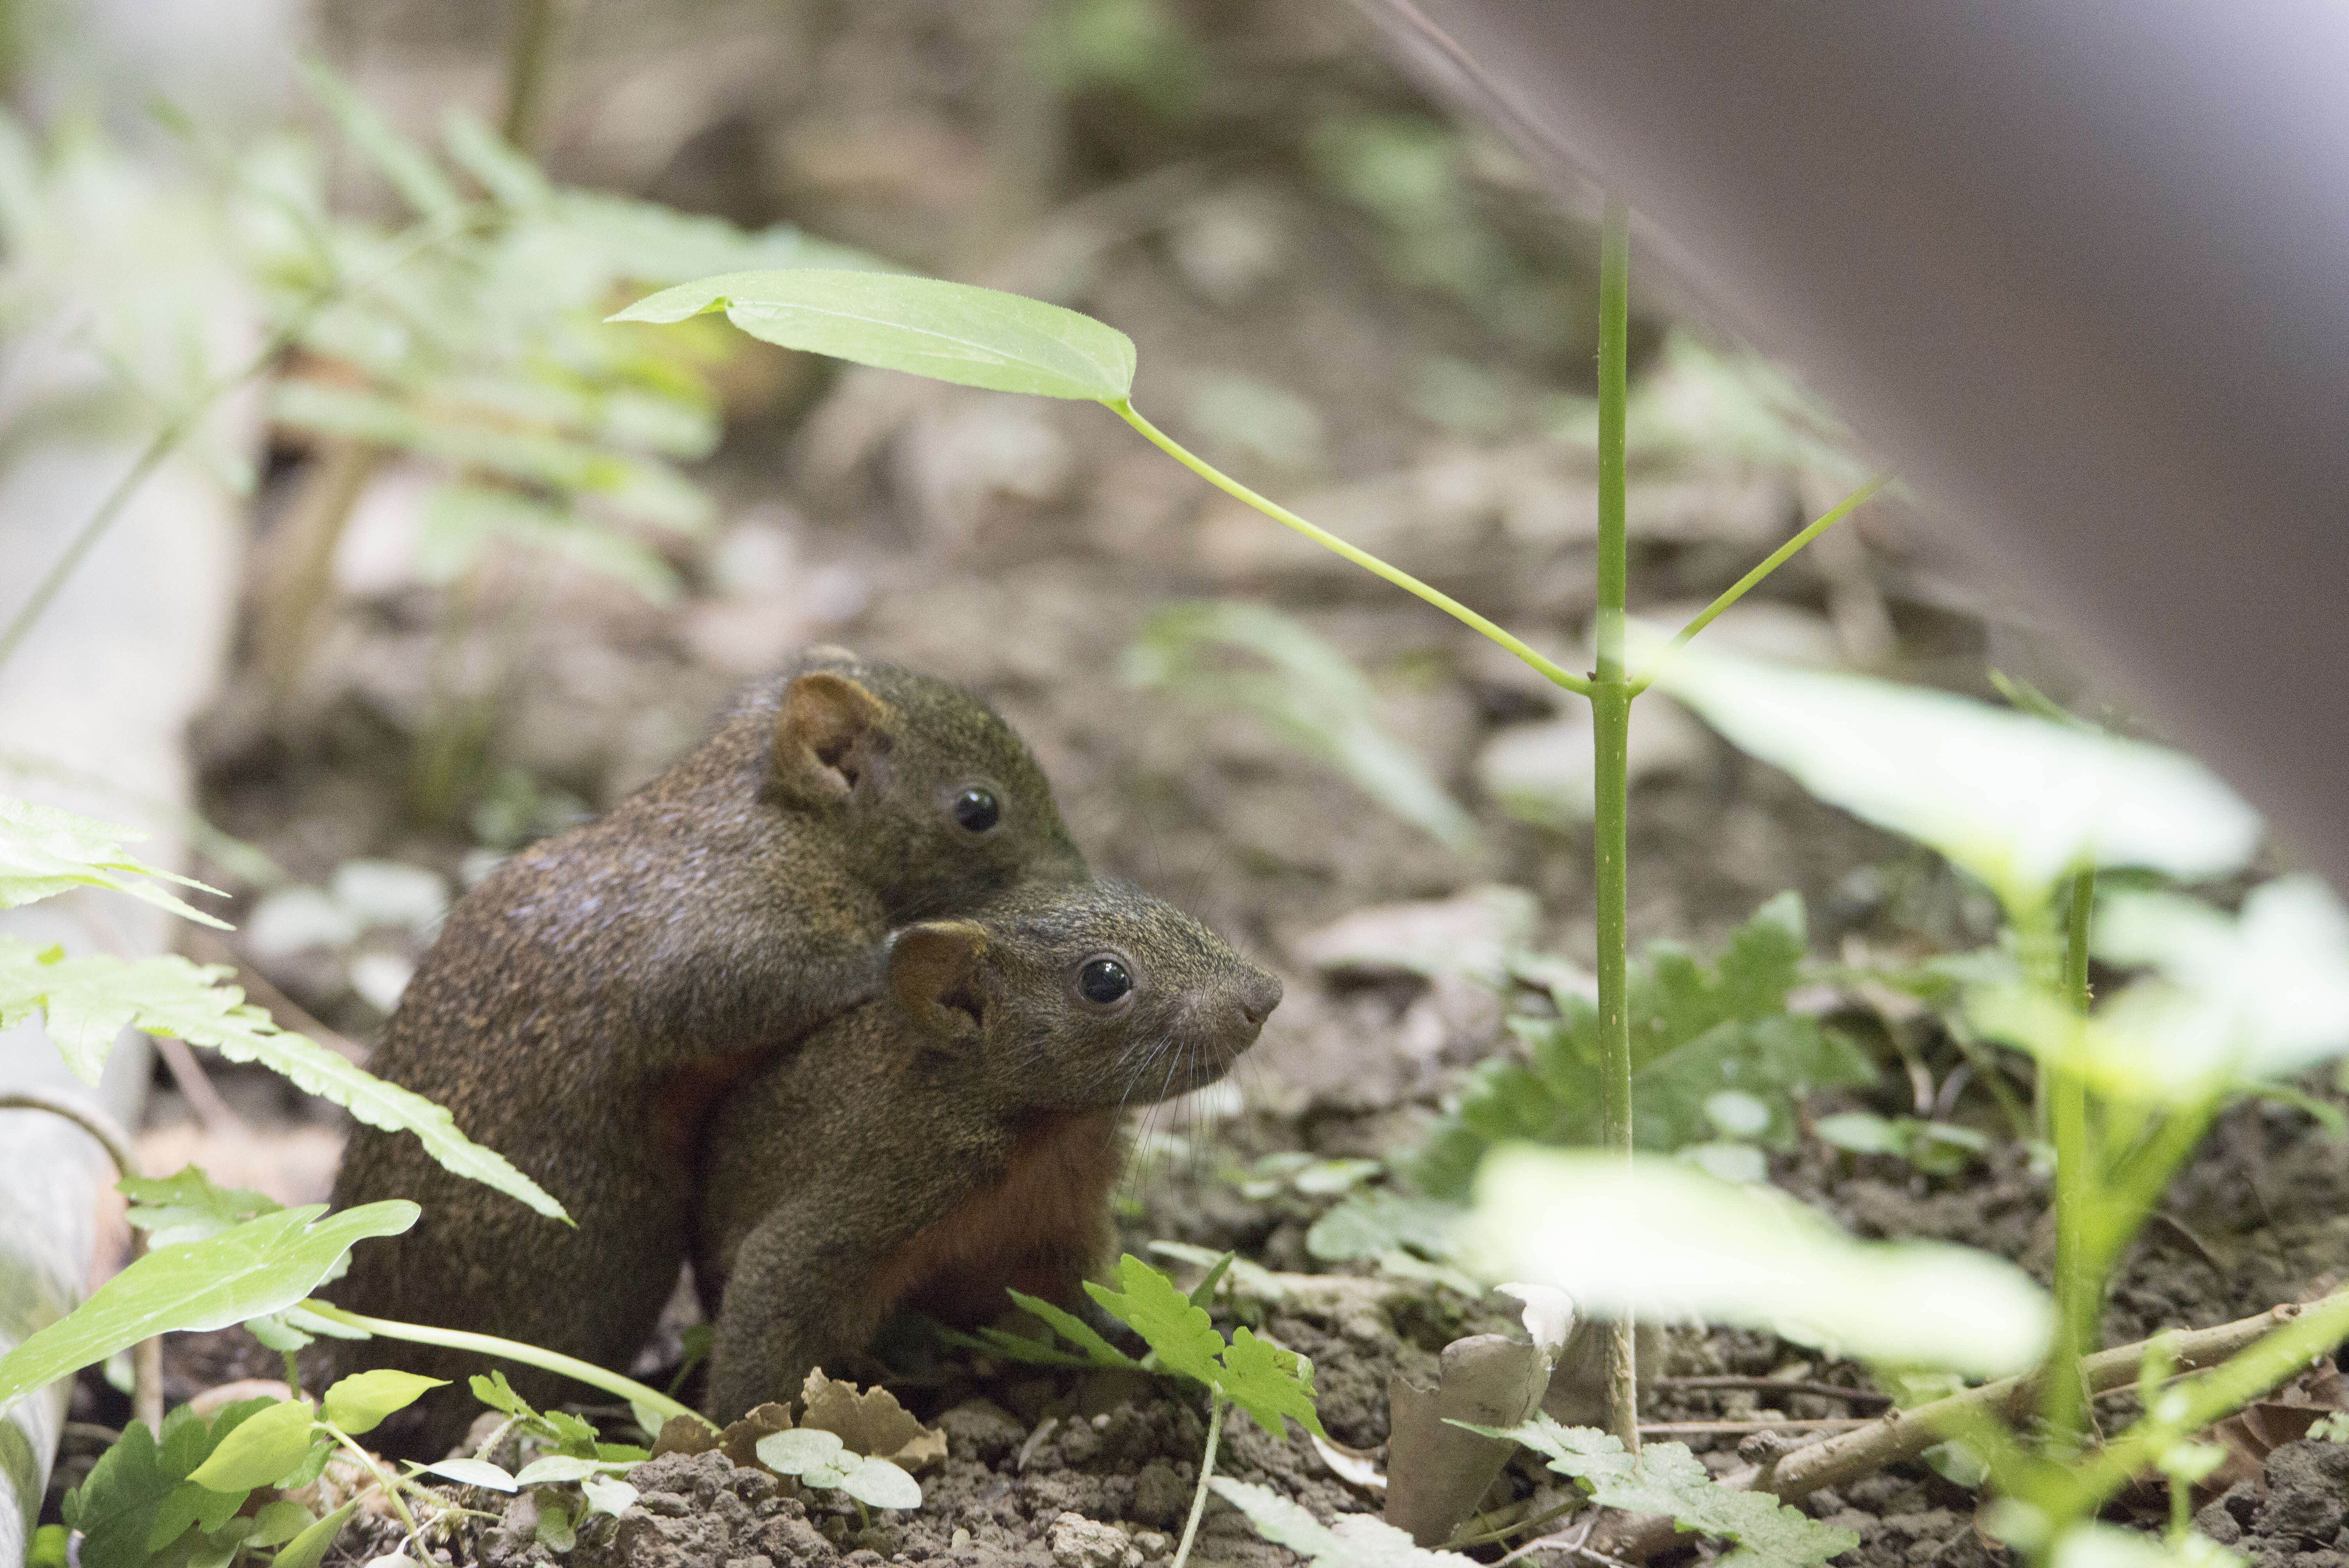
point(474, 1473)
point(1204, 1293)
point(49, 1549)
point(263, 1265)
point(89, 1001)
point(1312, 693)
point(1180, 1334)
point(555, 1531)
point(878, 1483)
point(1098, 1351)
point(1585, 1453)
point(561, 1469)
point(1355, 1540)
point(358, 1403)
point(1371, 1223)
point(460, 521)
point(187, 1206)
point(262, 1451)
point(308, 1549)
point(1269, 1382)
point(1697, 1032)
point(408, 167)
point(607, 1494)
point(1668, 1478)
point(1662, 1240)
point(493, 1389)
point(45, 851)
point(951, 332)
point(790, 1453)
point(2015, 800)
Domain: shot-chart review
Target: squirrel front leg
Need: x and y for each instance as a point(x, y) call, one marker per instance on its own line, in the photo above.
point(798, 1297)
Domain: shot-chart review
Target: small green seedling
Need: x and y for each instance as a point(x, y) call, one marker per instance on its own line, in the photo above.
point(820, 1458)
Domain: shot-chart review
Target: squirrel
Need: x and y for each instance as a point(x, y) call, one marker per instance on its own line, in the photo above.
point(960, 1133)
point(584, 1005)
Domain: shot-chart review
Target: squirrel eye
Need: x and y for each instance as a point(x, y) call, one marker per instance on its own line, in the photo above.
point(977, 810)
point(1103, 981)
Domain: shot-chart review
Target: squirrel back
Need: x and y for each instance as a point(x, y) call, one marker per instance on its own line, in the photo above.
point(582, 1005)
point(961, 1132)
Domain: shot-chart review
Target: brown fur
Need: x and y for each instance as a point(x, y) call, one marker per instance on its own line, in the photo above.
point(957, 1135)
point(585, 1004)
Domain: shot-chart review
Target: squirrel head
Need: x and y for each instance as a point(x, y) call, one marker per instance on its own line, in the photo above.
point(1079, 997)
point(941, 803)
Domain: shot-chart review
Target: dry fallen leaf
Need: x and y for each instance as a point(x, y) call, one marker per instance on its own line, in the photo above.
point(871, 1423)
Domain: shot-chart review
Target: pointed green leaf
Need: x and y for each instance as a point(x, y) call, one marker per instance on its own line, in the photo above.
point(45, 851)
point(473, 1472)
point(1185, 1341)
point(1269, 1382)
point(951, 332)
point(308, 1549)
point(358, 1403)
point(260, 1451)
point(1204, 1293)
point(89, 1001)
point(1076, 1331)
point(263, 1265)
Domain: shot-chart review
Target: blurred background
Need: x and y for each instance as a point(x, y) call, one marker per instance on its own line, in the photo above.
point(444, 565)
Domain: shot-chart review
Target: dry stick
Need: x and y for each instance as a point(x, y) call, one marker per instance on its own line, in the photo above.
point(1779, 1386)
point(301, 575)
point(147, 1355)
point(213, 1113)
point(1727, 1428)
point(1901, 1434)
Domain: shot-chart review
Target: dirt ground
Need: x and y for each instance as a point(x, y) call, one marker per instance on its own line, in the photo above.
point(1018, 547)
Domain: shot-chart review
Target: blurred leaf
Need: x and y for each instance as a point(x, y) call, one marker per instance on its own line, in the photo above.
point(1313, 694)
point(45, 851)
point(952, 332)
point(309, 1549)
point(1097, 1351)
point(461, 521)
point(86, 1002)
point(1355, 1540)
point(1368, 1225)
point(1696, 1033)
point(263, 1265)
point(408, 167)
point(1659, 1240)
point(2014, 800)
point(187, 1207)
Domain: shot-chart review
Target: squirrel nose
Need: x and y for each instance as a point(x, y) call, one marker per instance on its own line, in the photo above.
point(1258, 998)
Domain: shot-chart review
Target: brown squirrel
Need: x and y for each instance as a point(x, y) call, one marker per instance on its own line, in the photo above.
point(959, 1134)
point(584, 1005)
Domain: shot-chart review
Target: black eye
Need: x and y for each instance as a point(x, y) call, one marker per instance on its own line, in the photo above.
point(1103, 981)
point(978, 809)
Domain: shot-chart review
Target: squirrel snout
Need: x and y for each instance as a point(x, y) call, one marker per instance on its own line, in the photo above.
point(1258, 995)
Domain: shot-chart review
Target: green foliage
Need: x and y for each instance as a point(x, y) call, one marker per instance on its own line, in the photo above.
point(1654, 1238)
point(187, 1207)
point(261, 1266)
point(1355, 1540)
point(952, 332)
point(1667, 1479)
point(1696, 1033)
point(359, 1403)
point(1935, 1148)
point(45, 851)
point(820, 1458)
point(182, 1499)
point(87, 1001)
point(1258, 1376)
point(2015, 800)
point(1311, 693)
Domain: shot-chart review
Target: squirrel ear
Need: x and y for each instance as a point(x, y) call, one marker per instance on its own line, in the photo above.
point(937, 975)
point(830, 736)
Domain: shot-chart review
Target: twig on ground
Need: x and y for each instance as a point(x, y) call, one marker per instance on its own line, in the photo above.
point(1783, 1424)
point(1781, 1386)
point(1900, 1435)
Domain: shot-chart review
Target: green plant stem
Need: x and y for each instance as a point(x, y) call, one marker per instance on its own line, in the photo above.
point(528, 65)
point(389, 1485)
point(2075, 946)
point(1610, 729)
point(1125, 410)
point(2087, 1238)
point(177, 430)
point(1745, 584)
point(1206, 1468)
point(586, 1372)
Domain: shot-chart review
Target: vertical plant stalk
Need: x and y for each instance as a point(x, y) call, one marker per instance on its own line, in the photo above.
point(2079, 1275)
point(1207, 1468)
point(1610, 710)
point(301, 577)
point(528, 65)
